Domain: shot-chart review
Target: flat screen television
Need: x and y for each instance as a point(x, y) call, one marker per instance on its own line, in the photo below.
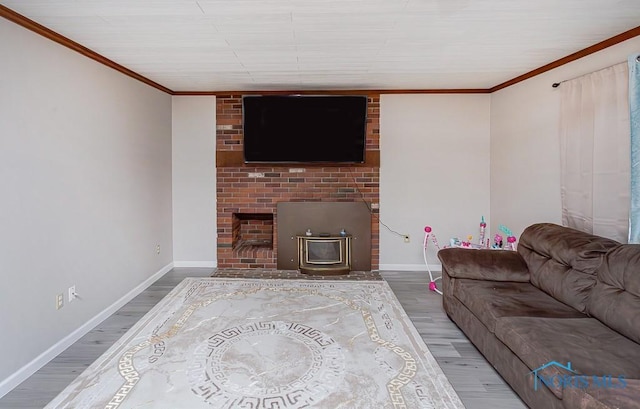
point(304, 128)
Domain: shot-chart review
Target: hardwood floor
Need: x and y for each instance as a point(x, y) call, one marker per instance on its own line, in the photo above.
point(475, 381)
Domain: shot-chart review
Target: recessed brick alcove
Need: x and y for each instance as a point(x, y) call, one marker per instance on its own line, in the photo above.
point(252, 235)
point(248, 194)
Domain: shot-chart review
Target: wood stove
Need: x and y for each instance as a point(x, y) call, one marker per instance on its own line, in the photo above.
point(324, 255)
point(326, 219)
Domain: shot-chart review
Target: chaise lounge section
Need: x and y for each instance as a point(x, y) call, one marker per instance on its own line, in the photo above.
point(559, 319)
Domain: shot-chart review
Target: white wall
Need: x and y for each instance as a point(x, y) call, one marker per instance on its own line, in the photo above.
point(85, 179)
point(525, 153)
point(194, 181)
point(434, 171)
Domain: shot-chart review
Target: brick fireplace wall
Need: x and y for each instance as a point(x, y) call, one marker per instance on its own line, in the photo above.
point(248, 193)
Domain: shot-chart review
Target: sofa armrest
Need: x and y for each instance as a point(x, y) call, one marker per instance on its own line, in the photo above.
point(492, 265)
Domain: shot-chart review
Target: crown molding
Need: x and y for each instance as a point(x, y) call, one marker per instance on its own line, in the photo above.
point(339, 92)
point(29, 24)
point(627, 35)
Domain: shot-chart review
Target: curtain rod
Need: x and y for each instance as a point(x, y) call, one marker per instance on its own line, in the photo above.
point(557, 84)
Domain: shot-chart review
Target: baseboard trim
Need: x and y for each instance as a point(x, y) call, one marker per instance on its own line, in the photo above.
point(410, 267)
point(41, 360)
point(208, 264)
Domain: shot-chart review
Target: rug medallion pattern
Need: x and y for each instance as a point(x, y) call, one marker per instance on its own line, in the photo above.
point(267, 344)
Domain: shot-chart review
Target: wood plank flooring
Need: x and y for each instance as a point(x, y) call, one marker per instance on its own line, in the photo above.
point(475, 381)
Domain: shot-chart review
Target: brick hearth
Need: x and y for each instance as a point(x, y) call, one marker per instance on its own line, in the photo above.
point(248, 194)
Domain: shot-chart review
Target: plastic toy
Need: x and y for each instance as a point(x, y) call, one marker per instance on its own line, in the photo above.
point(428, 234)
point(483, 227)
point(498, 244)
point(497, 241)
point(511, 239)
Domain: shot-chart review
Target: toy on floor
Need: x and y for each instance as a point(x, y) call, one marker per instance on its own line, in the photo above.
point(428, 234)
point(483, 228)
point(511, 239)
point(498, 244)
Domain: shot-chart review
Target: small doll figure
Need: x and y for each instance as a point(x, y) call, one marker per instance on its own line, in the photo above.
point(497, 241)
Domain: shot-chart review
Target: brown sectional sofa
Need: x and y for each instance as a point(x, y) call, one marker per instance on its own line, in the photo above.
point(559, 319)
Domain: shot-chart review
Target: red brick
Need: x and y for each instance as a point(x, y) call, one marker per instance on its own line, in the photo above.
point(239, 193)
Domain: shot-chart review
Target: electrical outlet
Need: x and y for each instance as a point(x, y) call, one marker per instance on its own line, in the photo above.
point(72, 293)
point(59, 301)
point(407, 239)
point(158, 249)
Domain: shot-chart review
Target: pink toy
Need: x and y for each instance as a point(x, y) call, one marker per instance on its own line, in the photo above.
point(429, 235)
point(511, 239)
point(483, 227)
point(483, 243)
point(497, 241)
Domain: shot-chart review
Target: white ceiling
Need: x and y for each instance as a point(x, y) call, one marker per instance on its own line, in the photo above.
point(218, 45)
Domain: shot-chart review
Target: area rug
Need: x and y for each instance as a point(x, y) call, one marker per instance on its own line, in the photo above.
point(267, 344)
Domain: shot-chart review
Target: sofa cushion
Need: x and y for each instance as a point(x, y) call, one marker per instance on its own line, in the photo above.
point(563, 261)
point(500, 357)
point(615, 300)
point(619, 395)
point(591, 347)
point(490, 300)
point(484, 264)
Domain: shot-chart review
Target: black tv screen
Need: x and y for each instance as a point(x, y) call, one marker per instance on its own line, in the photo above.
point(304, 128)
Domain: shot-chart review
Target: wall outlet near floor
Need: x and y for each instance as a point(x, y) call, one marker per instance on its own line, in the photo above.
point(158, 249)
point(407, 239)
point(72, 293)
point(59, 301)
